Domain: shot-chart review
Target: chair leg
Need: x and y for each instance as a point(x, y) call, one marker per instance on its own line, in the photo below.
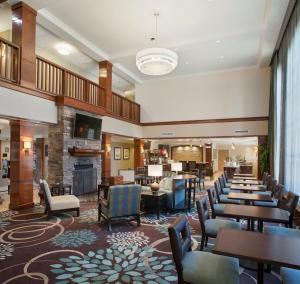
point(202, 242)
point(45, 210)
point(206, 241)
point(108, 224)
point(78, 212)
point(138, 220)
point(48, 215)
point(99, 212)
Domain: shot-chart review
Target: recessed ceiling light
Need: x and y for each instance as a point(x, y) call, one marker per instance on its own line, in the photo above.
point(222, 57)
point(186, 62)
point(63, 48)
point(176, 48)
point(218, 41)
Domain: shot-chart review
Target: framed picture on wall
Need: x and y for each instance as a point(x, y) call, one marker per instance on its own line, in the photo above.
point(117, 153)
point(126, 153)
point(6, 149)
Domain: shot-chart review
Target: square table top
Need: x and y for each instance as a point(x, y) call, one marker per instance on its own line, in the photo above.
point(246, 187)
point(244, 178)
point(267, 214)
point(259, 247)
point(249, 196)
point(244, 175)
point(245, 181)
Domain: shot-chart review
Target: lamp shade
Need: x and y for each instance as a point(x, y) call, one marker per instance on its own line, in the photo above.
point(155, 170)
point(176, 167)
point(27, 144)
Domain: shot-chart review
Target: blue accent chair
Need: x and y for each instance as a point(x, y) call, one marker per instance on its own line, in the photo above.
point(217, 209)
point(282, 231)
point(197, 266)
point(122, 201)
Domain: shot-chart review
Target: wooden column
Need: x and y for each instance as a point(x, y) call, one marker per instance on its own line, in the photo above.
point(138, 153)
point(208, 153)
point(105, 81)
point(21, 165)
point(106, 156)
point(23, 34)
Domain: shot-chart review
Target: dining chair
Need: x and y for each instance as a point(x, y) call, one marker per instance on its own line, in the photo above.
point(227, 177)
point(277, 193)
point(289, 275)
point(225, 180)
point(210, 227)
point(289, 203)
point(224, 189)
point(217, 209)
point(197, 267)
point(223, 198)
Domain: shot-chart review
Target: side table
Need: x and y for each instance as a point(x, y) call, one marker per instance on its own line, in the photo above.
point(156, 198)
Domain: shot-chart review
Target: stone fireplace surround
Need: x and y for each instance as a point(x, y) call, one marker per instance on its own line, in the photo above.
point(60, 162)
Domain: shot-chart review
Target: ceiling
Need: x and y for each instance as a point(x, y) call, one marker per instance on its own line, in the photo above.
point(208, 35)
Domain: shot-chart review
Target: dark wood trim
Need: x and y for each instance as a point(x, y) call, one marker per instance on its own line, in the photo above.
point(201, 137)
point(66, 101)
point(204, 121)
point(28, 91)
point(79, 152)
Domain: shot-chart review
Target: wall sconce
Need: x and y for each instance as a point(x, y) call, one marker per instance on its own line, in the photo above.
point(27, 146)
point(142, 150)
point(108, 148)
point(103, 72)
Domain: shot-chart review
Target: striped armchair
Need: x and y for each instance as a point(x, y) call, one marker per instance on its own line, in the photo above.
point(122, 201)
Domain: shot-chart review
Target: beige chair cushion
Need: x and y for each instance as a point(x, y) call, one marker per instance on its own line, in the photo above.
point(64, 202)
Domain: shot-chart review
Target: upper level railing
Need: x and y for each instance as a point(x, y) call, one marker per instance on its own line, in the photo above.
point(125, 108)
point(9, 61)
point(58, 81)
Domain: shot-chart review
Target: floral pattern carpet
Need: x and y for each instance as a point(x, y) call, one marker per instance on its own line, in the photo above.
point(67, 249)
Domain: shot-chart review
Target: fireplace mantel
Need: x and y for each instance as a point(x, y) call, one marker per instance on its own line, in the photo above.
point(81, 152)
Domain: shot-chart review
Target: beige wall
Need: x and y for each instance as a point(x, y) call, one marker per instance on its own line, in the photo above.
point(187, 154)
point(122, 164)
point(229, 94)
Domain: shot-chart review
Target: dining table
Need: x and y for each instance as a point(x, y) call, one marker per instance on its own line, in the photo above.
point(256, 213)
point(249, 198)
point(261, 248)
point(245, 181)
point(243, 175)
point(247, 188)
point(244, 178)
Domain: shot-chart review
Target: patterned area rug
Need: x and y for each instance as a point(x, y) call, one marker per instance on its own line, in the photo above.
point(67, 249)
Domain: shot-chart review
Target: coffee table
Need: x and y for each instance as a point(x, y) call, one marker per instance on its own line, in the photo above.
point(259, 213)
point(249, 198)
point(60, 189)
point(258, 247)
point(156, 197)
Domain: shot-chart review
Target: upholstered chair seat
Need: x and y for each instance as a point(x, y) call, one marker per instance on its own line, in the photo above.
point(266, 204)
point(226, 190)
point(207, 268)
point(219, 208)
point(61, 203)
point(282, 231)
point(224, 199)
point(212, 226)
point(289, 275)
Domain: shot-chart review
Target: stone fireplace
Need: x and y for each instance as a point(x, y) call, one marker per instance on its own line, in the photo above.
point(66, 168)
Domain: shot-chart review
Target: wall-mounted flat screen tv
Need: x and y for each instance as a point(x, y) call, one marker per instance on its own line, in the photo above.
point(87, 127)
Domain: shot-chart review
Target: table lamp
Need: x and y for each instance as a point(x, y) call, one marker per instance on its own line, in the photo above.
point(155, 171)
point(176, 167)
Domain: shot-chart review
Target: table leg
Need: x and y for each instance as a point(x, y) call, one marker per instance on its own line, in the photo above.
point(260, 273)
point(158, 208)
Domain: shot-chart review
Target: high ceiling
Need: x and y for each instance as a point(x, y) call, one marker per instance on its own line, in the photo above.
point(208, 35)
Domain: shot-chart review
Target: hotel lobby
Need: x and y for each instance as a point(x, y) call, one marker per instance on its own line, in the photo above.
point(149, 141)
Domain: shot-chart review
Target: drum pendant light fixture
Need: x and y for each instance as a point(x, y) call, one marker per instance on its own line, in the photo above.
point(156, 61)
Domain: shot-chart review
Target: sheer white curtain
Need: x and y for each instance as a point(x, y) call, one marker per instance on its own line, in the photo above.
point(292, 119)
point(286, 107)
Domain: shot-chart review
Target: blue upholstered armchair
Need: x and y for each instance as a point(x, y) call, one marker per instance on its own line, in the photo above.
point(122, 201)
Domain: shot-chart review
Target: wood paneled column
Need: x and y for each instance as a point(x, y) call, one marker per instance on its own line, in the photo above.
point(105, 81)
point(106, 156)
point(138, 153)
point(23, 34)
point(21, 165)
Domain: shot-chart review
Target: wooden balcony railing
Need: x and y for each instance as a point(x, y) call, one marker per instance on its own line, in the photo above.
point(9, 61)
point(125, 108)
point(54, 80)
